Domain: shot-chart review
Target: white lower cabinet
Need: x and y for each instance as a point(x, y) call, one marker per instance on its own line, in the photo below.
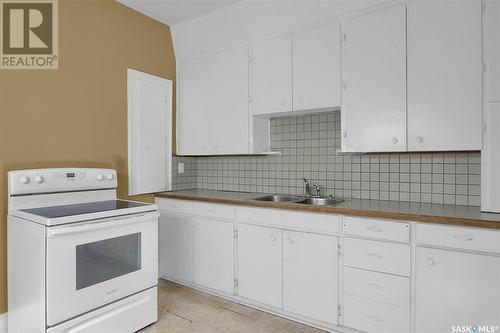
point(176, 246)
point(310, 275)
point(260, 264)
point(213, 261)
point(376, 317)
point(456, 289)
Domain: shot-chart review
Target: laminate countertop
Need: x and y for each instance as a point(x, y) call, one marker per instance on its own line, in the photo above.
point(421, 212)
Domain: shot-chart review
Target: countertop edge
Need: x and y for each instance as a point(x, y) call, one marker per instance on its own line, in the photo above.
point(457, 221)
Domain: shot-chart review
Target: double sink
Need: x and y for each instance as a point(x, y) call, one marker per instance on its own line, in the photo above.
point(313, 201)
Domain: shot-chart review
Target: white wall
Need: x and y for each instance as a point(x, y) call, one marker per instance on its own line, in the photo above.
point(253, 19)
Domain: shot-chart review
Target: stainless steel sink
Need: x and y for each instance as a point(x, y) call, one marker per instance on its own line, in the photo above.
point(320, 201)
point(278, 198)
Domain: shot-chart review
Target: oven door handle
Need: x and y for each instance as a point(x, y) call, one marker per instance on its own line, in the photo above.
point(101, 224)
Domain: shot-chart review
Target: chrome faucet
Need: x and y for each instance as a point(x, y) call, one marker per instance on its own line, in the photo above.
point(307, 188)
point(318, 190)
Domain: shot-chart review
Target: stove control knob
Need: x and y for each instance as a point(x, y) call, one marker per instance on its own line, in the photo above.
point(38, 179)
point(100, 178)
point(110, 176)
point(24, 180)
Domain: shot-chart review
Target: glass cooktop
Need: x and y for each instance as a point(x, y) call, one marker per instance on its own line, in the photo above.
point(82, 208)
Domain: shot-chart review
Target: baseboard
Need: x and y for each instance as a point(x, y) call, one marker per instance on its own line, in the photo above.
point(3, 322)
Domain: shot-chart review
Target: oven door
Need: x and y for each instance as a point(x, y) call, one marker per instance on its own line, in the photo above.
point(93, 263)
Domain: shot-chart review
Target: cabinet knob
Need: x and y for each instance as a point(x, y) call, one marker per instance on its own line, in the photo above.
point(464, 238)
point(373, 228)
point(374, 286)
point(344, 134)
point(284, 102)
point(273, 238)
point(420, 139)
point(374, 255)
point(374, 318)
point(431, 261)
point(290, 241)
point(394, 140)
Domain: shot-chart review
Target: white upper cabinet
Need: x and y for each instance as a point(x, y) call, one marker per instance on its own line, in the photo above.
point(271, 76)
point(492, 49)
point(374, 70)
point(444, 75)
point(193, 129)
point(316, 68)
point(213, 104)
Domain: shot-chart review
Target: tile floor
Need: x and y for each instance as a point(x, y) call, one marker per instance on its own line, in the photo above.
point(181, 309)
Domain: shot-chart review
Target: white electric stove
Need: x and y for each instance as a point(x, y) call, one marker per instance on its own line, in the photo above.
point(79, 260)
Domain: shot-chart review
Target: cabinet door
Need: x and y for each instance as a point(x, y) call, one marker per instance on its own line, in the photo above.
point(228, 102)
point(260, 264)
point(175, 247)
point(213, 254)
point(490, 160)
point(316, 68)
point(310, 275)
point(374, 67)
point(491, 21)
point(455, 288)
point(271, 87)
point(444, 75)
point(193, 116)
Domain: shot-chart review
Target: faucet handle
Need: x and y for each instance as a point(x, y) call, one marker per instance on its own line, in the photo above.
point(318, 190)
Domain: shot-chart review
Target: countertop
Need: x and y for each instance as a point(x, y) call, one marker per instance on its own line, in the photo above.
point(421, 212)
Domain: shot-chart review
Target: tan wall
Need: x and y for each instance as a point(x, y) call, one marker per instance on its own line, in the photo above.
point(77, 115)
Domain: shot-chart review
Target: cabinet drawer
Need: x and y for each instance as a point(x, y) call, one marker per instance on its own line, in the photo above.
point(380, 229)
point(174, 206)
point(377, 286)
point(377, 256)
point(196, 208)
point(287, 219)
point(373, 317)
point(459, 237)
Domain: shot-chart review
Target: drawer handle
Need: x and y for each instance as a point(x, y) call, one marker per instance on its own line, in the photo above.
point(185, 224)
point(173, 205)
point(273, 238)
point(211, 210)
point(374, 286)
point(374, 318)
point(374, 228)
point(374, 255)
point(464, 238)
point(431, 261)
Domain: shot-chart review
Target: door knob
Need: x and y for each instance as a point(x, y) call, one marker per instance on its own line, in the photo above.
point(394, 140)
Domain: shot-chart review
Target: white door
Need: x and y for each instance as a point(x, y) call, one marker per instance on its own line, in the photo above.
point(260, 264)
point(228, 102)
point(176, 246)
point(444, 75)
point(213, 254)
point(456, 288)
point(271, 76)
point(374, 66)
point(316, 68)
point(149, 133)
point(491, 40)
point(310, 275)
point(193, 116)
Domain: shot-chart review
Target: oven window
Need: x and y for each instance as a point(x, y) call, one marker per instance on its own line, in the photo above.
point(104, 260)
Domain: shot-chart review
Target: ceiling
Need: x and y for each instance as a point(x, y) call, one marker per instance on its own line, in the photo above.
point(171, 12)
